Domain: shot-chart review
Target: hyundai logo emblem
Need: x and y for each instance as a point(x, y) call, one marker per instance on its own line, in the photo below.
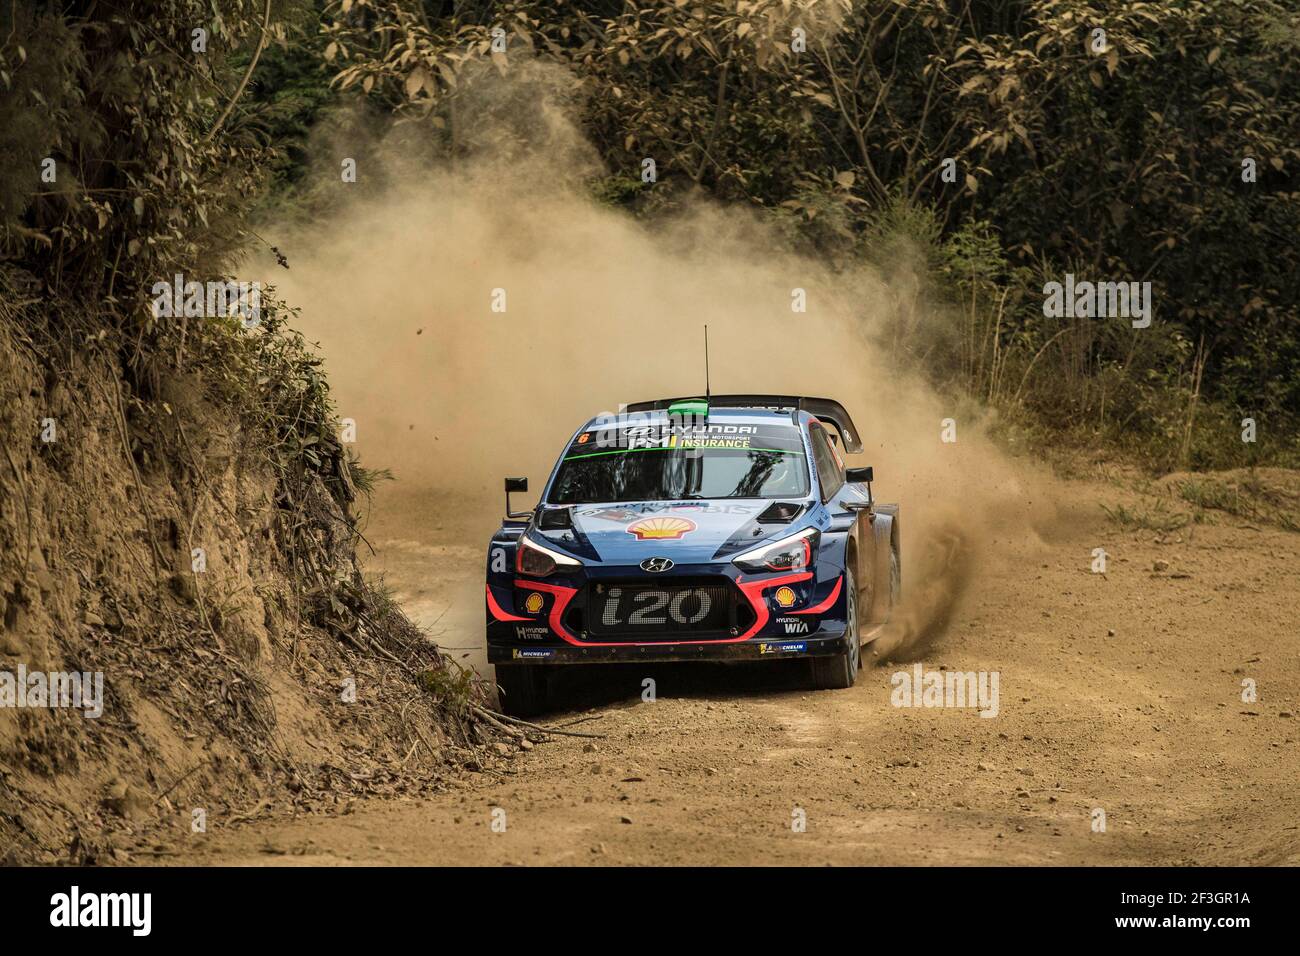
point(654, 565)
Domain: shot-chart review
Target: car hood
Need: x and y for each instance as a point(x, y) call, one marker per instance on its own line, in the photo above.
point(687, 532)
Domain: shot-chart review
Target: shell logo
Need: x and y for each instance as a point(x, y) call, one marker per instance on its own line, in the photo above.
point(784, 596)
point(533, 603)
point(660, 529)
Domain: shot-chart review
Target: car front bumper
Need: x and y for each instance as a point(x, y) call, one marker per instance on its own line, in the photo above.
point(820, 643)
point(529, 622)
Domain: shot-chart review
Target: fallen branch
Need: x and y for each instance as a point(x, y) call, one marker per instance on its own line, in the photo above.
point(489, 714)
point(180, 780)
point(583, 720)
point(504, 728)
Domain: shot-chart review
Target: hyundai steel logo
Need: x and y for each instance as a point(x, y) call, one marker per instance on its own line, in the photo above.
point(654, 565)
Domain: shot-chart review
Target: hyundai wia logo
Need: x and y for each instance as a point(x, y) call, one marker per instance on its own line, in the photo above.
point(655, 565)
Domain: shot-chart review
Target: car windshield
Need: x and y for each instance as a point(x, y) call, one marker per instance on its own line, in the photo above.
point(667, 463)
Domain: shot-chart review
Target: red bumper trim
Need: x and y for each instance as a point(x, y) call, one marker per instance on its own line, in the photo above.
point(497, 610)
point(563, 596)
point(828, 603)
point(753, 591)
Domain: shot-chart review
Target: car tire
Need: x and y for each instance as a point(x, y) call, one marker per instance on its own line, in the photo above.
point(895, 579)
point(523, 689)
point(837, 671)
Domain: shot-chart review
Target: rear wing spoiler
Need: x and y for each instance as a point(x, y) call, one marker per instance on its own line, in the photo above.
point(825, 409)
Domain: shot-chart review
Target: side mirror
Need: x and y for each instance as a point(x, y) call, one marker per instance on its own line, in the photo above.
point(863, 476)
point(515, 484)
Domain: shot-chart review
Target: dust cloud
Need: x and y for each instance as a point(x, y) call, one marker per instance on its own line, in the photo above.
point(397, 285)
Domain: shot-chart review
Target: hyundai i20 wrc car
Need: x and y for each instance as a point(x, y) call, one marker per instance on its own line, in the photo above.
point(718, 529)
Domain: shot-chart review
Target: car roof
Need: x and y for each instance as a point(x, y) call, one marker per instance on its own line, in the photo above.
point(716, 416)
point(826, 410)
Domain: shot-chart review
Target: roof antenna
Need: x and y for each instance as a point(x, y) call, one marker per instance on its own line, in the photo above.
point(706, 362)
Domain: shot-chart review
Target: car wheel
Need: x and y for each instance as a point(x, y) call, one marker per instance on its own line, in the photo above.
point(841, 670)
point(523, 689)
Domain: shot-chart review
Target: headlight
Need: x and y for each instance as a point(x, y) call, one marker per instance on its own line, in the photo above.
point(794, 553)
point(537, 561)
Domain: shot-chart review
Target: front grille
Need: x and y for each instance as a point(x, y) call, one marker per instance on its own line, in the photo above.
point(674, 610)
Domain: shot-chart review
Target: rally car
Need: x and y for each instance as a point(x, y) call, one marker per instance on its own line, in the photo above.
point(724, 528)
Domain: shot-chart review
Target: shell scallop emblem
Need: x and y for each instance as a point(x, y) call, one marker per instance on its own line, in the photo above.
point(661, 529)
point(533, 603)
point(784, 596)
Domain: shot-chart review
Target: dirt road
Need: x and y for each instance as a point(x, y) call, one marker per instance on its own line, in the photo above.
point(1119, 694)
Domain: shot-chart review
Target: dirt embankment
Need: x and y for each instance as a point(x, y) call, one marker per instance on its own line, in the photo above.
point(219, 673)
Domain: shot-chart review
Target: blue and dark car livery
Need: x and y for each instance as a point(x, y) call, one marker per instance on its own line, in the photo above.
point(718, 529)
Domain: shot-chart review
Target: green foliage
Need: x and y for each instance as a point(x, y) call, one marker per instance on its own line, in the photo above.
point(289, 96)
point(146, 182)
point(274, 378)
point(1129, 162)
point(38, 68)
point(1156, 517)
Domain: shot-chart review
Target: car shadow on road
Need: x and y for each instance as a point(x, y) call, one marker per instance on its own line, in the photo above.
point(581, 687)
